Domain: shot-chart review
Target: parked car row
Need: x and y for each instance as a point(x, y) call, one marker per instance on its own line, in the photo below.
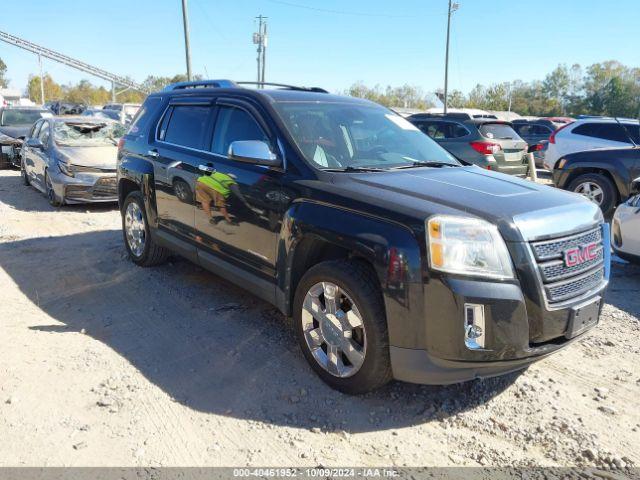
point(15, 123)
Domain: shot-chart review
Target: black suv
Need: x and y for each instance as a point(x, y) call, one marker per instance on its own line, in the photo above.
point(394, 260)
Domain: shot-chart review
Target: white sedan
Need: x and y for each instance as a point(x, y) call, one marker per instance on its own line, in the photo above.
point(625, 230)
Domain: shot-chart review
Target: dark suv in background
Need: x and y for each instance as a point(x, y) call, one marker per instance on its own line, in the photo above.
point(393, 258)
point(486, 142)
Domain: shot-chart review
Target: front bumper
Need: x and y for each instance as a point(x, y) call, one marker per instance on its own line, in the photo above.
point(85, 188)
point(520, 325)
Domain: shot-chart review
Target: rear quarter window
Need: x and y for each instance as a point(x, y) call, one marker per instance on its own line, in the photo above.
point(143, 117)
point(604, 131)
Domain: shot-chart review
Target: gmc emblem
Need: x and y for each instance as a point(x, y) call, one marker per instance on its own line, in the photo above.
point(579, 255)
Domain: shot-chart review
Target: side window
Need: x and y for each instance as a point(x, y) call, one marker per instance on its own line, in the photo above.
point(187, 126)
point(234, 124)
point(43, 135)
point(605, 131)
point(633, 131)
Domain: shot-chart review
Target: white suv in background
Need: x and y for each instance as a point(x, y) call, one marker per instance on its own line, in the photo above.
point(590, 134)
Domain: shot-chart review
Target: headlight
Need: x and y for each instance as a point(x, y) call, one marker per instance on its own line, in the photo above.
point(467, 246)
point(66, 168)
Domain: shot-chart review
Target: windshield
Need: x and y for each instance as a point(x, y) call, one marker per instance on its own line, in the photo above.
point(498, 131)
point(23, 117)
point(78, 134)
point(344, 135)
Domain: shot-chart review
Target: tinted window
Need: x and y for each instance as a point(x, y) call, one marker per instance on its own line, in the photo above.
point(498, 131)
point(443, 130)
point(144, 115)
point(634, 132)
point(234, 124)
point(187, 125)
point(605, 131)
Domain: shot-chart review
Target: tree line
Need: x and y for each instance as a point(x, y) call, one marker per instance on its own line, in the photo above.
point(607, 88)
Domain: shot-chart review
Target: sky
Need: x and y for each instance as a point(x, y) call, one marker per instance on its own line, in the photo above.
point(328, 43)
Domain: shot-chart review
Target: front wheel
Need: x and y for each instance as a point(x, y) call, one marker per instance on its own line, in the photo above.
point(341, 326)
point(24, 175)
point(142, 249)
point(53, 199)
point(597, 188)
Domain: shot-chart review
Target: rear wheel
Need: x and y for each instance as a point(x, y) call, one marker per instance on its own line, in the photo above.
point(341, 326)
point(597, 188)
point(142, 249)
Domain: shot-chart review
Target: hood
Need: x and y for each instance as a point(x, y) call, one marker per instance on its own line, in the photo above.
point(503, 200)
point(98, 157)
point(16, 130)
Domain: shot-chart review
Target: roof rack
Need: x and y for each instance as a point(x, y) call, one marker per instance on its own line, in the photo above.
point(201, 84)
point(288, 87)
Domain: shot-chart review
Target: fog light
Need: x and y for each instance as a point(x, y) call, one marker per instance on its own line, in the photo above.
point(474, 332)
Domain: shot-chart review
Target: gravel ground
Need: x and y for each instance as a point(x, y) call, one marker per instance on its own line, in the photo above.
point(104, 363)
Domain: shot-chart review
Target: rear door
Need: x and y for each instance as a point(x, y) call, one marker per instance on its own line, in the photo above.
point(177, 154)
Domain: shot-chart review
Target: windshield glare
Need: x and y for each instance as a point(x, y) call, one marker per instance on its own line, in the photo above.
point(78, 134)
point(342, 135)
point(22, 117)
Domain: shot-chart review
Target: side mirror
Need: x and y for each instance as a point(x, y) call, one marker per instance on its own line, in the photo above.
point(253, 151)
point(35, 143)
point(635, 186)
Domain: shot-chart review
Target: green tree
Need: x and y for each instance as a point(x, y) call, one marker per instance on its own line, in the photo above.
point(52, 91)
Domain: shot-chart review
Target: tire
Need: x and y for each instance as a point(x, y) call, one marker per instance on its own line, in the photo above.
point(53, 199)
point(148, 253)
point(609, 195)
point(182, 191)
point(357, 285)
point(23, 174)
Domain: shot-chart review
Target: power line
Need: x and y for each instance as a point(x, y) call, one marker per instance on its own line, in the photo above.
point(339, 12)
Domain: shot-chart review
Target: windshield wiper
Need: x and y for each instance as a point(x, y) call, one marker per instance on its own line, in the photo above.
point(354, 169)
point(417, 164)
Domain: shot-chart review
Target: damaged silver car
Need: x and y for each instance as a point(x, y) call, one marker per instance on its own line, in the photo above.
point(72, 159)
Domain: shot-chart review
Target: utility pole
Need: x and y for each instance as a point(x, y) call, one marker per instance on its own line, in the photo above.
point(187, 46)
point(452, 8)
point(260, 39)
point(41, 80)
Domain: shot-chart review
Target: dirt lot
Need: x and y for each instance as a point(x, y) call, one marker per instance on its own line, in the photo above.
point(105, 363)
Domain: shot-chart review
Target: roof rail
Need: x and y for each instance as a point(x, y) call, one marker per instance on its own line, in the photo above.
point(201, 84)
point(458, 115)
point(288, 87)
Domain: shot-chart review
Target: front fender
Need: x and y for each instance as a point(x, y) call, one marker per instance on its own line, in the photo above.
point(391, 248)
point(619, 173)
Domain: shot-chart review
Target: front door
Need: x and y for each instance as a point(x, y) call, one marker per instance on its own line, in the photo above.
point(239, 206)
point(177, 154)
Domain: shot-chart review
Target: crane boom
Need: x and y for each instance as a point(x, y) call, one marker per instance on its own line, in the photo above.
point(71, 62)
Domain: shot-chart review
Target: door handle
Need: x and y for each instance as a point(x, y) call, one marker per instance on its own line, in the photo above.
point(206, 168)
point(153, 153)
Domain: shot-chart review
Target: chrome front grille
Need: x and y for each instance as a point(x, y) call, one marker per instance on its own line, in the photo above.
point(84, 169)
point(562, 282)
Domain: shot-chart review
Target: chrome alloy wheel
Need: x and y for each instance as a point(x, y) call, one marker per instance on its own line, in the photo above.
point(592, 191)
point(333, 329)
point(135, 228)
